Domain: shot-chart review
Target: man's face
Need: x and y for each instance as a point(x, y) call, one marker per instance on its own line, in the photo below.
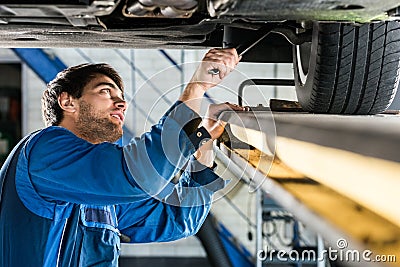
point(101, 111)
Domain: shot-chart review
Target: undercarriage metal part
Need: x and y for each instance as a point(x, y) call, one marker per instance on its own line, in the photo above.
point(160, 8)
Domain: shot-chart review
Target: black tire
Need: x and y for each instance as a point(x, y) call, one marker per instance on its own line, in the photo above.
point(347, 68)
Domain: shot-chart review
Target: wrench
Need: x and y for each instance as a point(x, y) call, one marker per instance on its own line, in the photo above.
point(215, 71)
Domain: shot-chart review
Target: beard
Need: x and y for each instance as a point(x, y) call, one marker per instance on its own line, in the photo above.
point(96, 127)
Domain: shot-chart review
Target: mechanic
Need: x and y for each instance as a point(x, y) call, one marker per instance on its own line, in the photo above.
point(68, 194)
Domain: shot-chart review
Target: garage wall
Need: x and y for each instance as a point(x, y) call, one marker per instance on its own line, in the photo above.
point(396, 102)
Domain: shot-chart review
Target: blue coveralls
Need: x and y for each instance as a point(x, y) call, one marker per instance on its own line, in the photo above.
point(67, 202)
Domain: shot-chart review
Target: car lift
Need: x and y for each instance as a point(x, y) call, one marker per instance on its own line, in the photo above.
point(335, 173)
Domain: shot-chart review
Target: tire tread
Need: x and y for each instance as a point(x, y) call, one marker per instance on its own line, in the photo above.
point(357, 68)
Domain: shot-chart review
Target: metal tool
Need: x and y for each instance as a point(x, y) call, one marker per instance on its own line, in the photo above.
point(215, 71)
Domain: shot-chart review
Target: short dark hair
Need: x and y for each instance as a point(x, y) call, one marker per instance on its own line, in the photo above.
point(72, 81)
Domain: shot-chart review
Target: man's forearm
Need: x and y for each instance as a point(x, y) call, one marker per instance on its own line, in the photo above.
point(192, 96)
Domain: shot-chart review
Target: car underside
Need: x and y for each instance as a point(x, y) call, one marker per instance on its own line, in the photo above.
point(346, 53)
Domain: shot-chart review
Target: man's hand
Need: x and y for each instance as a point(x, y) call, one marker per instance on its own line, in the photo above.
point(213, 125)
point(205, 153)
point(225, 60)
